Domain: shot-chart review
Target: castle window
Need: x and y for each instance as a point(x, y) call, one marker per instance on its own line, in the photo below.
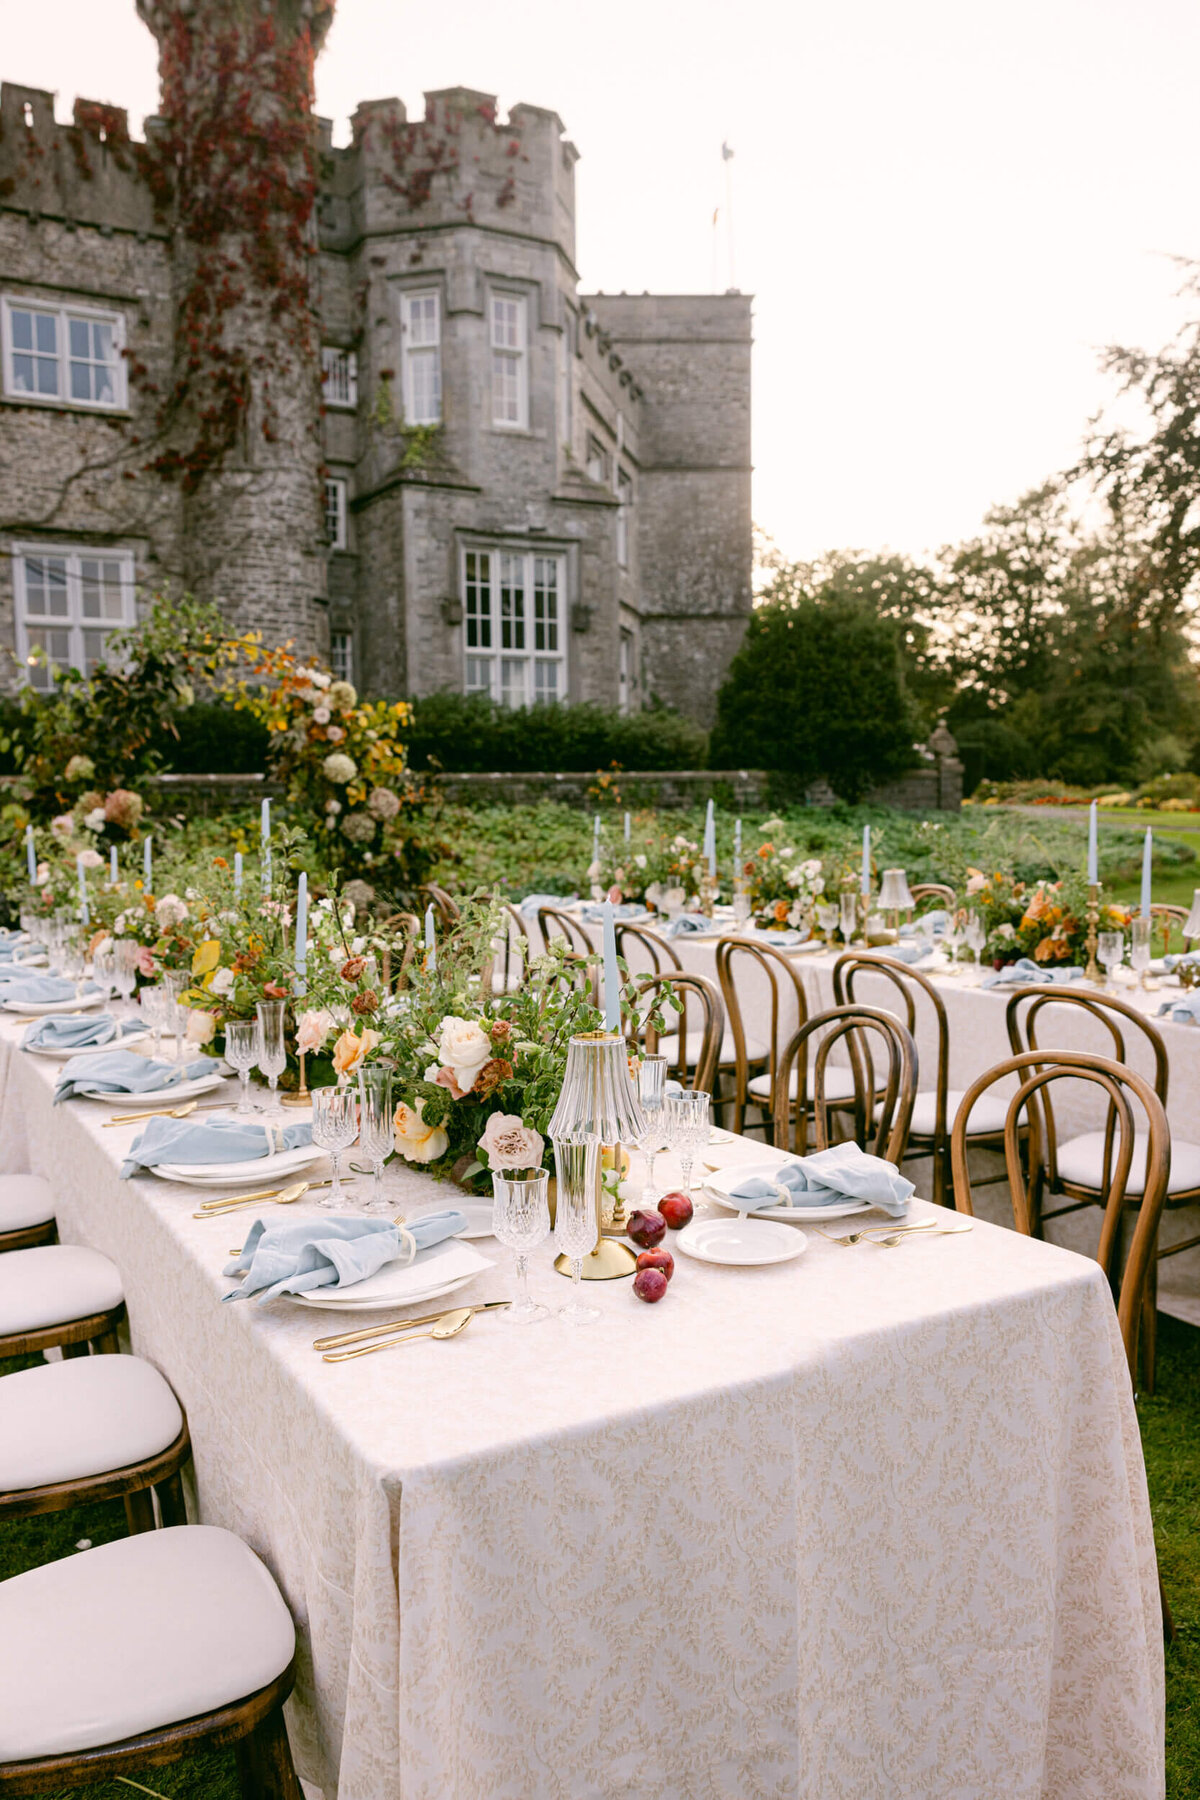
point(421, 325)
point(341, 655)
point(597, 461)
point(68, 603)
point(566, 381)
point(625, 497)
point(510, 362)
point(69, 355)
point(515, 638)
point(335, 513)
point(625, 672)
point(339, 376)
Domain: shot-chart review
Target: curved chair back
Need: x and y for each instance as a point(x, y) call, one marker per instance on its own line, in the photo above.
point(708, 997)
point(933, 890)
point(789, 1007)
point(1114, 1016)
point(401, 932)
point(446, 909)
point(1166, 917)
point(659, 954)
point(1037, 1071)
point(881, 1114)
point(553, 922)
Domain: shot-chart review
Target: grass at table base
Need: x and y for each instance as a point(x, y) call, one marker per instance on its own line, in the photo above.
point(1170, 1421)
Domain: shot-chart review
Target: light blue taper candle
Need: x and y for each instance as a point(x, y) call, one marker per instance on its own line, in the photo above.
point(112, 866)
point(596, 838)
point(710, 838)
point(1147, 859)
point(84, 914)
point(147, 861)
point(430, 940)
point(612, 981)
point(627, 823)
point(866, 863)
point(737, 842)
point(1093, 872)
point(30, 855)
point(301, 932)
point(237, 871)
point(266, 846)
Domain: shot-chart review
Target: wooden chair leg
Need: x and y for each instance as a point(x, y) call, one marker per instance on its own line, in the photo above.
point(139, 1511)
point(264, 1762)
point(171, 1503)
point(1149, 1333)
point(108, 1344)
point(76, 1350)
point(941, 1157)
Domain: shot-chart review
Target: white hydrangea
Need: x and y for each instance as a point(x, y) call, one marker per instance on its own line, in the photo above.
point(340, 768)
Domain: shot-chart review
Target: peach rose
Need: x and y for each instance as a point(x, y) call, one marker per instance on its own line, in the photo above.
point(416, 1141)
point(350, 1051)
point(510, 1144)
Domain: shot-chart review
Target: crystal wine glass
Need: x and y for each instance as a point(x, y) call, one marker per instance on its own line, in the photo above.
point(827, 919)
point(175, 984)
point(241, 1053)
point(741, 901)
point(74, 963)
point(334, 1129)
point(652, 1092)
point(521, 1221)
point(272, 1050)
point(848, 909)
point(1111, 947)
point(376, 1129)
point(976, 937)
point(575, 1229)
point(104, 971)
point(689, 1120)
point(125, 967)
point(1140, 947)
point(153, 1003)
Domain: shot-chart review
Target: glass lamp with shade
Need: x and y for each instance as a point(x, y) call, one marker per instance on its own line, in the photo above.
point(1191, 925)
point(895, 896)
point(597, 1106)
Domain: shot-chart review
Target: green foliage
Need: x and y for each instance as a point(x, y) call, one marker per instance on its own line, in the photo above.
point(212, 738)
point(470, 733)
point(816, 690)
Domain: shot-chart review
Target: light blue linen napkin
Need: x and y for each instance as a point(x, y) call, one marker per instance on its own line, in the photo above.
point(1172, 962)
point(124, 1072)
point(843, 1172)
point(17, 948)
point(690, 924)
point(528, 907)
point(303, 1254)
point(1183, 1008)
point(783, 940)
point(935, 919)
point(222, 1140)
point(593, 912)
point(39, 990)
point(71, 1031)
point(1025, 970)
point(906, 951)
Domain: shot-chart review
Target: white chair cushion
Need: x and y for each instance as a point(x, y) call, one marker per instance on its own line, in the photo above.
point(839, 1083)
point(987, 1115)
point(135, 1634)
point(1081, 1160)
point(669, 1047)
point(85, 1416)
point(25, 1200)
point(53, 1283)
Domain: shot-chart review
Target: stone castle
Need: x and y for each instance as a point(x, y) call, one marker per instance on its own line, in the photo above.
point(453, 471)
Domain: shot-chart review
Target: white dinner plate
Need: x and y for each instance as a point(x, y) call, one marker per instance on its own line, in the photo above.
point(717, 1136)
point(477, 1213)
point(740, 1243)
point(169, 1096)
point(64, 1055)
point(262, 1170)
point(37, 1007)
point(718, 1185)
point(446, 1266)
point(40, 961)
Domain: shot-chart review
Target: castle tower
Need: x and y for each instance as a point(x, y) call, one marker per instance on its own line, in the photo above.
point(238, 423)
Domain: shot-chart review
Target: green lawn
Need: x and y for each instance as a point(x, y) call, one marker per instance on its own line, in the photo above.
point(1170, 1433)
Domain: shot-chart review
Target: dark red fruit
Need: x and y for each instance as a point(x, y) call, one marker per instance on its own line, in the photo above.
point(676, 1209)
point(657, 1259)
point(647, 1228)
point(650, 1285)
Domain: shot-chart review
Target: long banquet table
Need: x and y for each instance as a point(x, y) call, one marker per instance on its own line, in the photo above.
point(868, 1523)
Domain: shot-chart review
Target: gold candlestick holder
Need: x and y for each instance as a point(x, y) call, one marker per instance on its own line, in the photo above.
point(301, 1097)
point(1092, 970)
point(709, 890)
point(864, 913)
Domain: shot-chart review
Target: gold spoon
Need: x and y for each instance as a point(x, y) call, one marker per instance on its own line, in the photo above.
point(370, 1331)
point(448, 1326)
point(164, 1112)
point(898, 1237)
point(283, 1197)
point(856, 1237)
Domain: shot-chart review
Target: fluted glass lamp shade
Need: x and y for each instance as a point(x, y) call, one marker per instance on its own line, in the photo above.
point(1192, 927)
point(894, 895)
point(598, 1103)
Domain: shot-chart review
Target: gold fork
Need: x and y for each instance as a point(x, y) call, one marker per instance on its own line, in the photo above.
point(857, 1237)
point(342, 1338)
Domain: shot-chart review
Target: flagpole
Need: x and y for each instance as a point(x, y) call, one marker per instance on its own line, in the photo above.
point(727, 158)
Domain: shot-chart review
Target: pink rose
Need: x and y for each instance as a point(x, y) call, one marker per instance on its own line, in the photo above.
point(145, 960)
point(312, 1028)
point(445, 1078)
point(510, 1144)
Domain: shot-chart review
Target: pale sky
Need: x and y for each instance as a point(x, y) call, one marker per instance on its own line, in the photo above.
point(944, 208)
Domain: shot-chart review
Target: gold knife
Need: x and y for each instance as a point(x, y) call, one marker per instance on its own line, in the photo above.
point(210, 1209)
point(182, 1111)
point(370, 1331)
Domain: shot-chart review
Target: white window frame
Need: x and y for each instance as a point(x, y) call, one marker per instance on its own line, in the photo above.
point(335, 490)
point(339, 378)
point(73, 622)
point(341, 655)
point(63, 314)
point(419, 347)
point(508, 341)
point(514, 642)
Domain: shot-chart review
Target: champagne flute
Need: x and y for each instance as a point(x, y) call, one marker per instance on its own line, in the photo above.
point(334, 1129)
point(272, 1052)
point(976, 937)
point(376, 1130)
point(848, 909)
point(1111, 946)
point(575, 1228)
point(521, 1221)
point(241, 1053)
point(1140, 947)
point(175, 984)
point(652, 1092)
point(125, 967)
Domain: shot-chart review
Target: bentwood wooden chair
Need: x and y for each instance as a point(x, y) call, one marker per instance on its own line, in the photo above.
point(554, 922)
point(652, 954)
point(1077, 1168)
point(934, 1108)
point(745, 966)
point(59, 1295)
point(148, 1650)
point(511, 945)
point(444, 906)
point(1166, 918)
point(881, 1110)
point(27, 1213)
point(933, 890)
point(401, 934)
point(692, 1052)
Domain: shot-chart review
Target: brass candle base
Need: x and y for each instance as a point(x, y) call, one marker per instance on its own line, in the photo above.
point(1092, 970)
point(609, 1261)
point(708, 894)
point(301, 1097)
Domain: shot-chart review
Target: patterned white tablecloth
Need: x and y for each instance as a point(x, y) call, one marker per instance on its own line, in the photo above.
point(872, 1522)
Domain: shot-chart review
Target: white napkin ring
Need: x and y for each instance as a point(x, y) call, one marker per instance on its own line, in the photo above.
point(408, 1246)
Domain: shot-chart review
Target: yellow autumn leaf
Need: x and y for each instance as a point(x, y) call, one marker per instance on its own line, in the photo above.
point(206, 956)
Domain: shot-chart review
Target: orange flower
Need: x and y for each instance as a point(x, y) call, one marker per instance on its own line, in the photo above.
point(780, 912)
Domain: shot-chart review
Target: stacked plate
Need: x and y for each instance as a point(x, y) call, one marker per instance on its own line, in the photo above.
point(441, 1270)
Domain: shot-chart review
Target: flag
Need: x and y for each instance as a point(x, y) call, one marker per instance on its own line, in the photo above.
point(726, 153)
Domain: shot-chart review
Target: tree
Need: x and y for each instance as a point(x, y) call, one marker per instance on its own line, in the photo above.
point(817, 690)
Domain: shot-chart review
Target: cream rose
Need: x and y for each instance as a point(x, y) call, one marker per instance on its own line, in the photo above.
point(350, 1051)
point(415, 1140)
point(463, 1047)
point(312, 1029)
point(222, 983)
point(170, 910)
point(510, 1144)
point(200, 1026)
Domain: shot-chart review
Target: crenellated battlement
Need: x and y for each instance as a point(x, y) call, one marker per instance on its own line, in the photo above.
point(88, 173)
point(460, 164)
